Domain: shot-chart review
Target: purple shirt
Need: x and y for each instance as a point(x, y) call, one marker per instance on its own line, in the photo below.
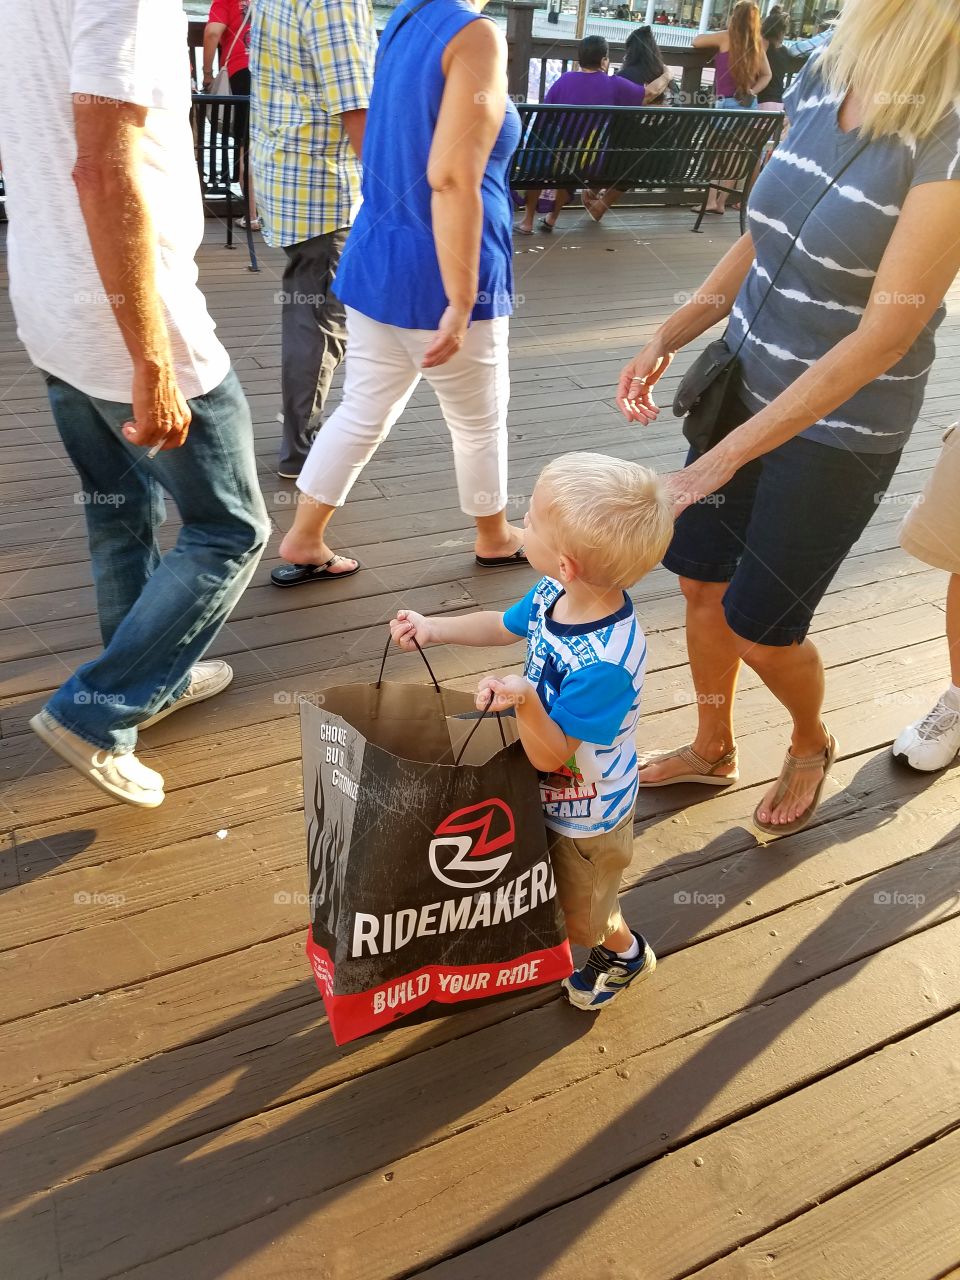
point(595, 89)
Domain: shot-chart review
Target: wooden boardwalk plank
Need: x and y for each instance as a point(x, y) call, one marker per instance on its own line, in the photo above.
point(171, 1102)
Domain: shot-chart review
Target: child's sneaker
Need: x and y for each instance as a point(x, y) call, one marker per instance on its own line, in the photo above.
point(932, 742)
point(606, 974)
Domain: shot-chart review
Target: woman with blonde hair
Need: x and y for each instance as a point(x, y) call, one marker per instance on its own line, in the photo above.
point(832, 300)
point(741, 69)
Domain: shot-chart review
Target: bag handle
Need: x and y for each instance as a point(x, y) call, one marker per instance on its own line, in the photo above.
point(240, 30)
point(426, 663)
point(783, 262)
point(480, 718)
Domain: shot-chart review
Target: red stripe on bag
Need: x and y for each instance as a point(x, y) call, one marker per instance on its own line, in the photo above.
point(358, 1014)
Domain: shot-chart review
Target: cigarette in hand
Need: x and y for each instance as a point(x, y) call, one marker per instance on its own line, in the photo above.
point(152, 453)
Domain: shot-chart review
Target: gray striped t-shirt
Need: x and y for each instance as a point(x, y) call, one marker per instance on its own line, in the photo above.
point(826, 282)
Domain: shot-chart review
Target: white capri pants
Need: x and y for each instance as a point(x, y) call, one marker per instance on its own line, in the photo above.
point(381, 373)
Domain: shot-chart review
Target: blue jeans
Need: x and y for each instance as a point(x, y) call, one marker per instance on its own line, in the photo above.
point(158, 615)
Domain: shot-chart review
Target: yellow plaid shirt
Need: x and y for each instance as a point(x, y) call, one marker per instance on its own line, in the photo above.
point(310, 60)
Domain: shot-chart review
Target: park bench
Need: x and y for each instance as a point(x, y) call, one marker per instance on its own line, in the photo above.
point(643, 149)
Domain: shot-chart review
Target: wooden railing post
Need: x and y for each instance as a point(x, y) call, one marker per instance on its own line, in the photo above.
point(519, 48)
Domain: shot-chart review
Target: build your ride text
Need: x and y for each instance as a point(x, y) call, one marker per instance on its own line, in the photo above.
point(497, 978)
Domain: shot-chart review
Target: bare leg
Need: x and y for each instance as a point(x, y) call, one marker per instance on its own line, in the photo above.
point(306, 541)
point(530, 209)
point(953, 626)
point(620, 940)
point(496, 536)
point(794, 675)
point(713, 650)
point(716, 201)
point(560, 199)
point(598, 205)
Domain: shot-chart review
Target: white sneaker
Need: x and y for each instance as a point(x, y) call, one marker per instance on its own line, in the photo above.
point(933, 742)
point(122, 776)
point(206, 679)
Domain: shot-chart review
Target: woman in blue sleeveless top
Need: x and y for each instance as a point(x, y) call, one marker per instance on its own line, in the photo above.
point(426, 276)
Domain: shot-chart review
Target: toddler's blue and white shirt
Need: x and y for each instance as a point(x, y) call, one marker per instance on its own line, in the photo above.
point(589, 677)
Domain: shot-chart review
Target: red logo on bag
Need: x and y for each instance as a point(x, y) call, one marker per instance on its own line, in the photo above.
point(462, 844)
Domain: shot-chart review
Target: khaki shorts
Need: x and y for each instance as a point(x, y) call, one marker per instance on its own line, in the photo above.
point(588, 874)
point(931, 530)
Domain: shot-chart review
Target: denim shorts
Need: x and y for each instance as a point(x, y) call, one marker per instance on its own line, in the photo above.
point(778, 532)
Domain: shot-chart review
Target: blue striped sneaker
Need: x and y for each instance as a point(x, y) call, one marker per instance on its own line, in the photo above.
point(605, 975)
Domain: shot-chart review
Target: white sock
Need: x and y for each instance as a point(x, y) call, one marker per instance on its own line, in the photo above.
point(631, 952)
point(952, 697)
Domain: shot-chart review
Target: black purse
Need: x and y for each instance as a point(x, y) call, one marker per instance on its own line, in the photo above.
point(708, 395)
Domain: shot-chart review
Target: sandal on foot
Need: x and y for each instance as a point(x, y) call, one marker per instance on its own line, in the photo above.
point(703, 771)
point(546, 227)
point(791, 765)
point(522, 230)
point(293, 575)
point(494, 562)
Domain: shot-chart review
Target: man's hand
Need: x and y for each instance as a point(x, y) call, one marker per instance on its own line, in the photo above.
point(502, 693)
point(161, 416)
point(635, 389)
point(451, 334)
point(410, 629)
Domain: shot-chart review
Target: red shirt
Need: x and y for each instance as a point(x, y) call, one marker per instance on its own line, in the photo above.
point(232, 13)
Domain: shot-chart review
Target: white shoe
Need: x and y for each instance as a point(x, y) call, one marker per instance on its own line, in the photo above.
point(206, 679)
point(122, 776)
point(933, 742)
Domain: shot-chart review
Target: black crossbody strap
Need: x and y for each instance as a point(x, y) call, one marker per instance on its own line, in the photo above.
point(403, 21)
point(783, 262)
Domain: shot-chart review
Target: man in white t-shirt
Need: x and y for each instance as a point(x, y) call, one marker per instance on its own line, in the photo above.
point(105, 220)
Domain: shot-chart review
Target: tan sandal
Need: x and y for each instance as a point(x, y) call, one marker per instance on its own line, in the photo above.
point(791, 765)
point(703, 771)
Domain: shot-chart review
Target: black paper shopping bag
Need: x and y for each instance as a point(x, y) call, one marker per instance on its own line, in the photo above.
point(430, 879)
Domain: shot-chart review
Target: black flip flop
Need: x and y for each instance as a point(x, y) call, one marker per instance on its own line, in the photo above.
point(293, 575)
point(495, 562)
point(546, 227)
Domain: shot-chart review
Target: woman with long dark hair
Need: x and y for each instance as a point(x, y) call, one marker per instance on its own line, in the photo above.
point(741, 69)
point(642, 65)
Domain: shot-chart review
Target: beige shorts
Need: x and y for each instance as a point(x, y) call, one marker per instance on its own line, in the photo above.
point(588, 874)
point(931, 530)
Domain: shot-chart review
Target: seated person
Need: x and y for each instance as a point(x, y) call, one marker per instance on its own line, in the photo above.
point(591, 86)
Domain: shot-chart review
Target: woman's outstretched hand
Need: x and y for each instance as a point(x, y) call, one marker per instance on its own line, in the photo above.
point(639, 377)
point(450, 337)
